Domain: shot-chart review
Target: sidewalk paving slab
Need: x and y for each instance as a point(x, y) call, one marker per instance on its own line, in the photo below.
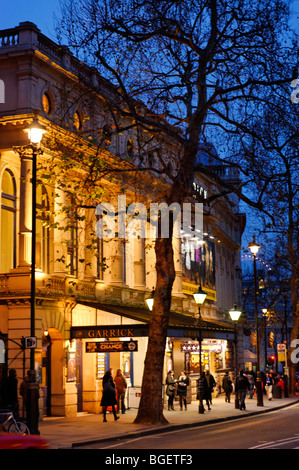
point(85, 428)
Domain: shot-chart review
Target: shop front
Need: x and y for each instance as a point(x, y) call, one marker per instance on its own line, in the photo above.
point(123, 346)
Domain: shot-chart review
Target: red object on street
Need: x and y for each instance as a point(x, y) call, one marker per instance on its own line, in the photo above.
point(22, 441)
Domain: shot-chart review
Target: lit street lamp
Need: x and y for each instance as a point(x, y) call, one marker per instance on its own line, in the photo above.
point(150, 300)
point(235, 314)
point(265, 311)
point(254, 248)
point(35, 133)
point(199, 298)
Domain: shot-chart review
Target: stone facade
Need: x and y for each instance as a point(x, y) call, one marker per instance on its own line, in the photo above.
point(40, 77)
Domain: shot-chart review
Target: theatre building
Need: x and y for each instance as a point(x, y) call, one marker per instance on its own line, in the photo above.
point(90, 310)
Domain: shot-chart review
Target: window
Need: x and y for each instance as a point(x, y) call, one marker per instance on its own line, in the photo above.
point(47, 105)
point(77, 121)
point(8, 222)
point(130, 148)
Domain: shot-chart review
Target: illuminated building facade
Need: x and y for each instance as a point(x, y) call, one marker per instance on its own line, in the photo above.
point(84, 298)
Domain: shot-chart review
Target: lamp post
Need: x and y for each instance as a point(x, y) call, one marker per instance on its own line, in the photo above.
point(235, 314)
point(254, 248)
point(35, 133)
point(265, 311)
point(199, 298)
point(150, 300)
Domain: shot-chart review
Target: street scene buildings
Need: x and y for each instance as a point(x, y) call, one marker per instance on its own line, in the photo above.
point(90, 291)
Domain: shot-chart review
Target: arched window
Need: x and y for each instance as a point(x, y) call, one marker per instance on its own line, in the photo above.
point(8, 222)
point(42, 230)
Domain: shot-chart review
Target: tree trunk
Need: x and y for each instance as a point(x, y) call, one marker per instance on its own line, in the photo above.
point(151, 404)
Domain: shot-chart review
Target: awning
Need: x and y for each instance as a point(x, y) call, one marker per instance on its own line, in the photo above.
point(249, 356)
point(179, 325)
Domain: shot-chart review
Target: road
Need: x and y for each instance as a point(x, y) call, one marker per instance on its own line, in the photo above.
point(273, 430)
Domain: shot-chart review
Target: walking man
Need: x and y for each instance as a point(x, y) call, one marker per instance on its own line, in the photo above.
point(242, 385)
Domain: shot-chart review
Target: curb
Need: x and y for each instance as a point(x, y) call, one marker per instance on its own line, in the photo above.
point(177, 427)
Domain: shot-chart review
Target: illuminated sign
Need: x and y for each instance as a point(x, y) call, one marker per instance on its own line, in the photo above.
point(109, 331)
point(213, 346)
point(111, 346)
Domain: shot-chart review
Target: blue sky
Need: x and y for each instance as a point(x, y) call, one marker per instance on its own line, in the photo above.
point(41, 12)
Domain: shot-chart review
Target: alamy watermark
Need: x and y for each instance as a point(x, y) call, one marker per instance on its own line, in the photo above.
point(295, 93)
point(295, 353)
point(138, 221)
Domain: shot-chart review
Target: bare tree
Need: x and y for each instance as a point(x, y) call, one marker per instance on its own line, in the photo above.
point(275, 169)
point(190, 71)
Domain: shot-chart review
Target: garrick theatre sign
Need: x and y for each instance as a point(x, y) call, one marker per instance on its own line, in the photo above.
point(211, 331)
point(106, 332)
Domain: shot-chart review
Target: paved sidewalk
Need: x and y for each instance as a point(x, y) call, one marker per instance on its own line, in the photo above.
point(66, 433)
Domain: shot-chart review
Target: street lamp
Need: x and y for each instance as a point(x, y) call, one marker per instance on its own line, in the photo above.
point(265, 311)
point(150, 300)
point(235, 314)
point(35, 133)
point(254, 248)
point(199, 298)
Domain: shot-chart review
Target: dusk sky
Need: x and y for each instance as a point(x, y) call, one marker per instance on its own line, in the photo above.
point(41, 12)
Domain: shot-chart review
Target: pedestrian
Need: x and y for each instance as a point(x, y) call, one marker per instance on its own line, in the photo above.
point(10, 393)
point(269, 385)
point(218, 385)
point(242, 385)
point(23, 392)
point(204, 389)
point(280, 382)
point(251, 385)
point(121, 386)
point(170, 389)
point(211, 384)
point(227, 386)
point(108, 397)
point(183, 382)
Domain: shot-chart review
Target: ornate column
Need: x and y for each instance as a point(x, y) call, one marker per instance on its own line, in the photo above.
point(25, 207)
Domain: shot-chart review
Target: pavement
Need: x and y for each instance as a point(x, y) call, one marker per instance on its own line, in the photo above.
point(86, 428)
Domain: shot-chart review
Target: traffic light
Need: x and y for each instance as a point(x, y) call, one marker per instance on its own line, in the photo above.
point(271, 360)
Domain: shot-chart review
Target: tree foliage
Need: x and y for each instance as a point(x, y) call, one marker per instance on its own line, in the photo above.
point(274, 172)
point(194, 72)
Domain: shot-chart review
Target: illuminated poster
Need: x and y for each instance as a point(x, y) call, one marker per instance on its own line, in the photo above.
point(198, 262)
point(71, 366)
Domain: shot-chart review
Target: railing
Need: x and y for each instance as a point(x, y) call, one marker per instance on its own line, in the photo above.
point(9, 37)
point(28, 35)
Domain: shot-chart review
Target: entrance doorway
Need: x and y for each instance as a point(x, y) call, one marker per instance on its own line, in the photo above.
point(52, 377)
point(79, 384)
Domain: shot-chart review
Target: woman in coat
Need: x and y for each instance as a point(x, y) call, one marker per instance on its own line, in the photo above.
point(227, 386)
point(170, 389)
point(121, 385)
point(108, 397)
point(183, 382)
